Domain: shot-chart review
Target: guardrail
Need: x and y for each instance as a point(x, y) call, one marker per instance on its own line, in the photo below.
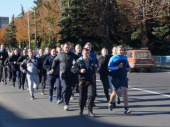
point(162, 61)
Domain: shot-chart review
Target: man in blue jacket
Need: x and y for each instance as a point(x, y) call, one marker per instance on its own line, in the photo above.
point(119, 66)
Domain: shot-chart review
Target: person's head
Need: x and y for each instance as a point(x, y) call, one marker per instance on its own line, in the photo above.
point(114, 50)
point(53, 52)
point(78, 48)
point(120, 50)
point(61, 46)
point(24, 52)
point(9, 53)
point(58, 49)
point(104, 52)
point(88, 46)
point(47, 50)
point(66, 47)
point(85, 53)
point(40, 52)
point(30, 53)
point(2, 47)
point(16, 51)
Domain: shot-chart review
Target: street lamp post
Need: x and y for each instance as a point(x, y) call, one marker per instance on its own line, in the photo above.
point(28, 19)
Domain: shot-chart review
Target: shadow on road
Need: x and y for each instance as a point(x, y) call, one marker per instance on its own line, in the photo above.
point(10, 119)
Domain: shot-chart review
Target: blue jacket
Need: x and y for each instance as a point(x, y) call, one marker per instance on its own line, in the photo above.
point(118, 73)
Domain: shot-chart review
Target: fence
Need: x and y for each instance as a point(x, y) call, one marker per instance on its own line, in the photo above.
point(162, 61)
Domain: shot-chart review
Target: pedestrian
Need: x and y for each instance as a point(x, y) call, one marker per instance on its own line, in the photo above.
point(19, 61)
point(53, 77)
point(85, 68)
point(42, 74)
point(103, 71)
point(31, 66)
point(3, 57)
point(15, 68)
point(65, 60)
point(75, 77)
point(119, 66)
point(7, 69)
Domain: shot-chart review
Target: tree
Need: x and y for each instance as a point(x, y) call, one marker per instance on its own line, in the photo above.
point(72, 20)
point(11, 34)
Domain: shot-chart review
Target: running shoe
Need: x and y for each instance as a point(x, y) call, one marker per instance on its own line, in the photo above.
point(110, 106)
point(50, 98)
point(66, 107)
point(127, 111)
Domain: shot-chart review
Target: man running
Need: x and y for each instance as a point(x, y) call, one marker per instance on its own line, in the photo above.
point(31, 66)
point(120, 66)
point(85, 67)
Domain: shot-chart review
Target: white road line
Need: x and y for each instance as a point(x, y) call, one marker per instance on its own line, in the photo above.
point(165, 95)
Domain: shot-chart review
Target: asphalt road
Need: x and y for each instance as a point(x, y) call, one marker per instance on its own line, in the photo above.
point(149, 100)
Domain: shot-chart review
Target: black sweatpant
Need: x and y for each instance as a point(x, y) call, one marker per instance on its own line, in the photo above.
point(85, 89)
point(105, 82)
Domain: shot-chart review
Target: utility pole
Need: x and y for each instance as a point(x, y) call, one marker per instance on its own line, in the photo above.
point(28, 19)
point(36, 46)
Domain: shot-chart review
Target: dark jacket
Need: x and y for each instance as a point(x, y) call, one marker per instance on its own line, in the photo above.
point(4, 55)
point(48, 65)
point(103, 64)
point(64, 60)
point(11, 61)
point(21, 59)
point(89, 73)
point(42, 70)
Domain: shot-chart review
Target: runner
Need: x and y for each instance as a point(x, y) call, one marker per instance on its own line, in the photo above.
point(65, 60)
point(103, 71)
point(19, 61)
point(15, 68)
point(120, 66)
point(31, 66)
point(85, 67)
point(53, 77)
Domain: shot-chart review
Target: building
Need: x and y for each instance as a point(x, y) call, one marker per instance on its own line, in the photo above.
point(4, 21)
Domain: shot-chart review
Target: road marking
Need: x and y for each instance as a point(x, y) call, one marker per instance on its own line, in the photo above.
point(165, 95)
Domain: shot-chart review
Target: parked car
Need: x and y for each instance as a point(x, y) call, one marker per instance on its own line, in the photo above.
point(139, 59)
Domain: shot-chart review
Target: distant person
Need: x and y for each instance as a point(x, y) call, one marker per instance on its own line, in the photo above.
point(15, 68)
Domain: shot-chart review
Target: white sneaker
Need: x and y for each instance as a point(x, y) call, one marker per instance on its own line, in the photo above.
point(66, 107)
point(72, 97)
point(42, 93)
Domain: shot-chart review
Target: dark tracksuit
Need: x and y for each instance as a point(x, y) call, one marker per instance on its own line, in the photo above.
point(15, 69)
point(94, 58)
point(42, 74)
point(23, 75)
point(64, 60)
point(7, 70)
point(75, 76)
point(52, 77)
point(103, 71)
point(4, 55)
point(86, 82)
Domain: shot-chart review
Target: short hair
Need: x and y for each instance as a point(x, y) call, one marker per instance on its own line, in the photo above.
point(85, 49)
point(67, 43)
point(104, 48)
point(77, 45)
point(120, 47)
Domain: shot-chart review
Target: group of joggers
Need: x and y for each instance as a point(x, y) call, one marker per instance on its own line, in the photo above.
point(67, 71)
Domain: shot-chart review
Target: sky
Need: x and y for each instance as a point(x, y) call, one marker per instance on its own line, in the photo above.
point(10, 7)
